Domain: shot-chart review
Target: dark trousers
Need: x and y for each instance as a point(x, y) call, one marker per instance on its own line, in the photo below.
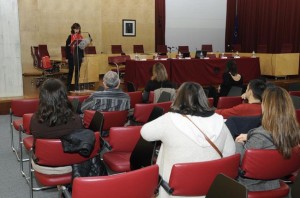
point(74, 63)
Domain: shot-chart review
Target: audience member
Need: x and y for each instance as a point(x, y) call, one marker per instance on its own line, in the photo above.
point(279, 130)
point(111, 99)
point(231, 78)
point(158, 80)
point(253, 95)
point(179, 131)
point(54, 117)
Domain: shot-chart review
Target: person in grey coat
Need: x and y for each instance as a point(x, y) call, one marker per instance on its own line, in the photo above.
point(279, 130)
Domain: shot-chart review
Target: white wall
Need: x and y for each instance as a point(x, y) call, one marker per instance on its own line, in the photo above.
point(11, 83)
point(196, 22)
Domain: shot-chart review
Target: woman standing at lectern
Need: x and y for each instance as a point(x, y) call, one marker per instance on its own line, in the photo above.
point(74, 55)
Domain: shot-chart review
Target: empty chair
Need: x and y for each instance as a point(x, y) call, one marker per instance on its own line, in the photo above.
point(135, 184)
point(184, 50)
point(138, 49)
point(286, 48)
point(162, 49)
point(207, 47)
point(226, 187)
point(228, 102)
point(235, 91)
point(116, 49)
point(262, 48)
point(34, 55)
point(122, 142)
point(90, 50)
point(135, 98)
point(195, 178)
point(269, 164)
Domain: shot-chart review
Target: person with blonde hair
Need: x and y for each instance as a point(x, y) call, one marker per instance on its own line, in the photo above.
point(159, 79)
point(279, 130)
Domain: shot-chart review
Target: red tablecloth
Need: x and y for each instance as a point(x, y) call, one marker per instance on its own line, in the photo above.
point(210, 71)
point(140, 72)
point(203, 71)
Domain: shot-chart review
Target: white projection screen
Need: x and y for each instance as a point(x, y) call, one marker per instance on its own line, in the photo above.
point(196, 22)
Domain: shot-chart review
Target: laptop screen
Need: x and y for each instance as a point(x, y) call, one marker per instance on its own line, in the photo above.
point(198, 53)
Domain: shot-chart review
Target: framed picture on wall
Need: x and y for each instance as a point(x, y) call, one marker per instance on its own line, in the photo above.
point(128, 27)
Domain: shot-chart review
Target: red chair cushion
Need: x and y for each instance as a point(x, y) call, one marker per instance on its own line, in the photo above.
point(118, 161)
point(17, 123)
point(28, 142)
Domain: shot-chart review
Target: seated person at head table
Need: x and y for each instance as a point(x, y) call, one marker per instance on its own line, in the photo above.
point(279, 130)
point(231, 78)
point(111, 99)
point(54, 117)
point(253, 95)
point(189, 113)
point(159, 79)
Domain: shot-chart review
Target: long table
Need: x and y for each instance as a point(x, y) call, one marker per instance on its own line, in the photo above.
point(203, 71)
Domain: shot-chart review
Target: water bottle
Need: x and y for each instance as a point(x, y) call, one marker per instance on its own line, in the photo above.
point(136, 57)
point(179, 55)
point(253, 54)
point(237, 54)
point(201, 55)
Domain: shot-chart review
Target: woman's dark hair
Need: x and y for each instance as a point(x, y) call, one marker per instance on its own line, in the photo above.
point(231, 67)
point(191, 100)
point(75, 26)
point(54, 107)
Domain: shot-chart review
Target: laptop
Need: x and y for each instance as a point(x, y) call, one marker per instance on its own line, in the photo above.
point(198, 53)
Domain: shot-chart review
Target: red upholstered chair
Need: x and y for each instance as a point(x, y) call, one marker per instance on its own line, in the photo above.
point(262, 48)
point(298, 115)
point(269, 164)
point(294, 93)
point(138, 49)
point(195, 179)
point(90, 50)
point(225, 102)
point(211, 102)
point(135, 98)
point(117, 61)
point(81, 98)
point(207, 47)
point(34, 55)
point(151, 97)
point(135, 184)
point(286, 48)
point(183, 49)
point(142, 111)
point(162, 49)
point(18, 108)
point(49, 152)
point(122, 142)
point(116, 49)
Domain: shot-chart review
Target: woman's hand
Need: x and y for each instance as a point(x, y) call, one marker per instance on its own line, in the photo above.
point(241, 138)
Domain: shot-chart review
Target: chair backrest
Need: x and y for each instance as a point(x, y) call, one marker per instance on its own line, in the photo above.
point(235, 91)
point(151, 97)
point(43, 50)
point(133, 184)
point(130, 86)
point(226, 187)
point(26, 123)
point(124, 139)
point(254, 164)
point(116, 49)
point(225, 102)
point(194, 179)
point(49, 152)
point(138, 49)
point(118, 59)
point(90, 50)
point(298, 115)
point(211, 102)
point(21, 106)
point(162, 49)
point(34, 55)
point(114, 119)
point(183, 49)
point(207, 47)
point(142, 111)
point(294, 93)
point(81, 98)
point(135, 98)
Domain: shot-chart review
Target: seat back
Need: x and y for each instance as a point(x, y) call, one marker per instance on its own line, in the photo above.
point(124, 139)
point(21, 106)
point(194, 179)
point(26, 123)
point(138, 49)
point(207, 47)
point(81, 98)
point(298, 115)
point(114, 119)
point(49, 152)
point(211, 102)
point(34, 55)
point(90, 50)
point(135, 98)
point(162, 49)
point(226, 187)
point(183, 49)
point(116, 49)
point(294, 93)
point(43, 50)
point(133, 184)
point(254, 164)
point(235, 91)
point(225, 102)
point(142, 111)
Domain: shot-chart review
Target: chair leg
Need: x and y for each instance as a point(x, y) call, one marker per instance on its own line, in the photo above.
point(27, 177)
